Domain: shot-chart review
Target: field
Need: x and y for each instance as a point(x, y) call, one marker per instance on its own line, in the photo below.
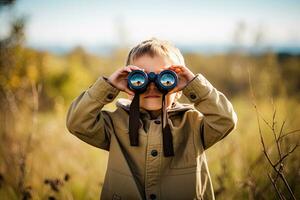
point(40, 159)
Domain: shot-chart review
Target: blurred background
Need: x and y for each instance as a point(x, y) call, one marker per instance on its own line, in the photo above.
point(51, 51)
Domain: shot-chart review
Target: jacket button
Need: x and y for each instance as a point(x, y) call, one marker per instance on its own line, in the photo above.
point(110, 96)
point(152, 196)
point(157, 122)
point(193, 96)
point(154, 153)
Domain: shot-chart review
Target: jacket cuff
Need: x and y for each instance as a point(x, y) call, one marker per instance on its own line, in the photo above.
point(197, 88)
point(103, 91)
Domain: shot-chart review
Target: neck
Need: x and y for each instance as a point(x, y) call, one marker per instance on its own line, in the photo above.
point(154, 113)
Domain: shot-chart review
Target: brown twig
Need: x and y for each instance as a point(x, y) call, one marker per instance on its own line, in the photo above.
point(286, 155)
point(275, 186)
point(279, 172)
point(288, 133)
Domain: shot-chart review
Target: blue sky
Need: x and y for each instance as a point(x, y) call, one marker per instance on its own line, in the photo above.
point(95, 22)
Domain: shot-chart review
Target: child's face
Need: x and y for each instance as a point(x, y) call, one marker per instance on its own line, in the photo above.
point(152, 98)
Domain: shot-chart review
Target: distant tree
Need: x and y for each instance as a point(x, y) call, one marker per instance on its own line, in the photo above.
point(4, 3)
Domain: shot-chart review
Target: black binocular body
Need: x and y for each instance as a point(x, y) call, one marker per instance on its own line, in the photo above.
point(139, 80)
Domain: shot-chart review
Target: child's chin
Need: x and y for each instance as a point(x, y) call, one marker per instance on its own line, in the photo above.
point(151, 107)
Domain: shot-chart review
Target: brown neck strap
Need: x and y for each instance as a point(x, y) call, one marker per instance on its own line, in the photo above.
point(134, 125)
point(134, 116)
point(166, 130)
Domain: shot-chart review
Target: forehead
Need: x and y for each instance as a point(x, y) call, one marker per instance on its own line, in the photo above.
point(152, 64)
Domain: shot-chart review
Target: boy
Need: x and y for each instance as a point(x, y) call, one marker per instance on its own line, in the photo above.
point(144, 171)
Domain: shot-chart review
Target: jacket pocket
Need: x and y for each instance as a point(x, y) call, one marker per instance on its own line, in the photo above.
point(184, 148)
point(185, 155)
point(119, 186)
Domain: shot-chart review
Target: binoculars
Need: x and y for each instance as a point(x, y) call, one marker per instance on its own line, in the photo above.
point(165, 81)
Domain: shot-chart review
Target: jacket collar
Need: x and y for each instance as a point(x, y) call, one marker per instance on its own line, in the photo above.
point(175, 108)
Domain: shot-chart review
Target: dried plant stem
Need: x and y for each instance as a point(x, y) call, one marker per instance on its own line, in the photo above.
point(275, 186)
point(277, 141)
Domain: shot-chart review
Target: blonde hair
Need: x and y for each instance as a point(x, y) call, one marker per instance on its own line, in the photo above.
point(155, 47)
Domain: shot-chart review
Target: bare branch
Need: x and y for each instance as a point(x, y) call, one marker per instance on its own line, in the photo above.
point(275, 186)
point(287, 154)
point(279, 172)
point(288, 133)
point(275, 135)
point(266, 122)
point(287, 185)
point(273, 119)
point(281, 129)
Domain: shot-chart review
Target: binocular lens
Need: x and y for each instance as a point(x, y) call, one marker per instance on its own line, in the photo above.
point(167, 80)
point(137, 80)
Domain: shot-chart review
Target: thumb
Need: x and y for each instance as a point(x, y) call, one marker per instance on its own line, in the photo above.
point(128, 91)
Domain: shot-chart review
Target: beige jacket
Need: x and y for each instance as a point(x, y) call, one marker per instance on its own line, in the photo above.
point(143, 172)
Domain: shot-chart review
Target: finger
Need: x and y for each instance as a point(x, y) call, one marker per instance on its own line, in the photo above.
point(173, 67)
point(168, 67)
point(125, 71)
point(177, 70)
point(128, 69)
point(128, 91)
point(177, 66)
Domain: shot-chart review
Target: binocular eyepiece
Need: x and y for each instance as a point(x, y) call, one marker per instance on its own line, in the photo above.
point(165, 81)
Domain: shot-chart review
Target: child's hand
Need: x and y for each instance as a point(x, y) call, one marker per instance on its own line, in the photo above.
point(184, 76)
point(119, 78)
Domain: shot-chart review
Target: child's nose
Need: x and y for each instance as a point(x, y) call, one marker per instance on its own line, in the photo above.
point(152, 85)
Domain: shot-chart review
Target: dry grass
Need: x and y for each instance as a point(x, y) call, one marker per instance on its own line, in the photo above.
point(236, 164)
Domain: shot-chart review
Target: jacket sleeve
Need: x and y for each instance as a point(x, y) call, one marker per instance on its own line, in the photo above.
point(86, 120)
point(219, 118)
